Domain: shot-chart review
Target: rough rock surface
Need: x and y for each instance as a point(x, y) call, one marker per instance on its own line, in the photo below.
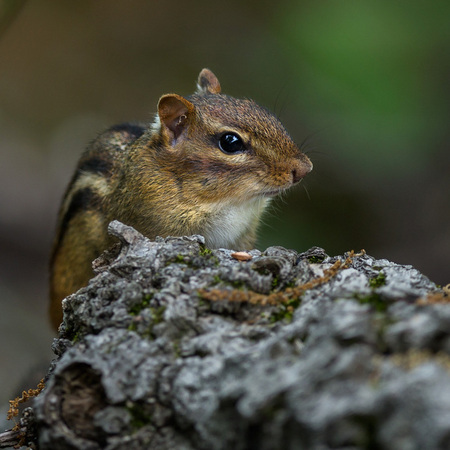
point(175, 346)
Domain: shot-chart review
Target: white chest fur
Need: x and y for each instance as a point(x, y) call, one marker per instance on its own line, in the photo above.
point(230, 222)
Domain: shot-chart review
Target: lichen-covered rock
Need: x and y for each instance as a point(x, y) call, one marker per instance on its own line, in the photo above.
point(176, 346)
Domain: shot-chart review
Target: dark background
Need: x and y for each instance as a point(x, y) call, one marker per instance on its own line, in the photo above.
point(365, 85)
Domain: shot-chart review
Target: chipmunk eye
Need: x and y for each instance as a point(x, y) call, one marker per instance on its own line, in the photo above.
point(231, 143)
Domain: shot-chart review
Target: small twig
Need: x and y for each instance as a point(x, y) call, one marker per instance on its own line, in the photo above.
point(14, 404)
point(11, 438)
point(24, 433)
point(282, 297)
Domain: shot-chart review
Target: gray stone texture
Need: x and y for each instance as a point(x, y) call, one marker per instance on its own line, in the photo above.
point(175, 346)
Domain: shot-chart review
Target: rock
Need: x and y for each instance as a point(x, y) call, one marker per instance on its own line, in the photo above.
point(174, 345)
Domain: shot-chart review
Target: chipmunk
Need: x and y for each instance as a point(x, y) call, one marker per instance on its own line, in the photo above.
point(209, 165)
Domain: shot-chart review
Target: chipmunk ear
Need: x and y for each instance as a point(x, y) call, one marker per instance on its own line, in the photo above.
point(174, 112)
point(208, 83)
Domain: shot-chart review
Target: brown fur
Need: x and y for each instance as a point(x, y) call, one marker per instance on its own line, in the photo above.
point(171, 178)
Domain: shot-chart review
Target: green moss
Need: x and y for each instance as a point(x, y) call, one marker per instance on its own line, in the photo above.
point(382, 322)
point(144, 332)
point(265, 272)
point(176, 348)
point(139, 417)
point(181, 259)
point(375, 300)
point(195, 261)
point(208, 255)
point(379, 280)
point(158, 314)
point(132, 327)
point(237, 284)
point(275, 282)
point(157, 317)
point(205, 251)
point(286, 310)
point(136, 309)
point(203, 258)
point(73, 334)
point(315, 259)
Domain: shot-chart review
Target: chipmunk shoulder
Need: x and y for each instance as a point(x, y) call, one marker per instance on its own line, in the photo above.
point(209, 164)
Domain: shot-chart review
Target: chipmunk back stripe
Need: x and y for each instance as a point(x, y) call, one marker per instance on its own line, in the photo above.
point(95, 165)
point(82, 200)
point(133, 129)
point(101, 165)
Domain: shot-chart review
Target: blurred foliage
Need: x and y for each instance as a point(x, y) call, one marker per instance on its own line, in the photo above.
point(9, 9)
point(377, 72)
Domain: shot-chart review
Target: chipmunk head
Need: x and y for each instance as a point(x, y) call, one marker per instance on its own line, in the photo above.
point(229, 149)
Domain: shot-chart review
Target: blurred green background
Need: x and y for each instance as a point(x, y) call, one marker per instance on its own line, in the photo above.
point(363, 85)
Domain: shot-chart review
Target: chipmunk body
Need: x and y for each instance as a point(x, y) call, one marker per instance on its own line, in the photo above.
point(208, 165)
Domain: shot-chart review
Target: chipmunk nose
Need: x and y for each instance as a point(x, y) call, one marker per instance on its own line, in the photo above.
point(301, 170)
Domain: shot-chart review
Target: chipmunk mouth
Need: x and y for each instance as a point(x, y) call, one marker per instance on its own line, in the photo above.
point(277, 191)
point(273, 193)
point(270, 193)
